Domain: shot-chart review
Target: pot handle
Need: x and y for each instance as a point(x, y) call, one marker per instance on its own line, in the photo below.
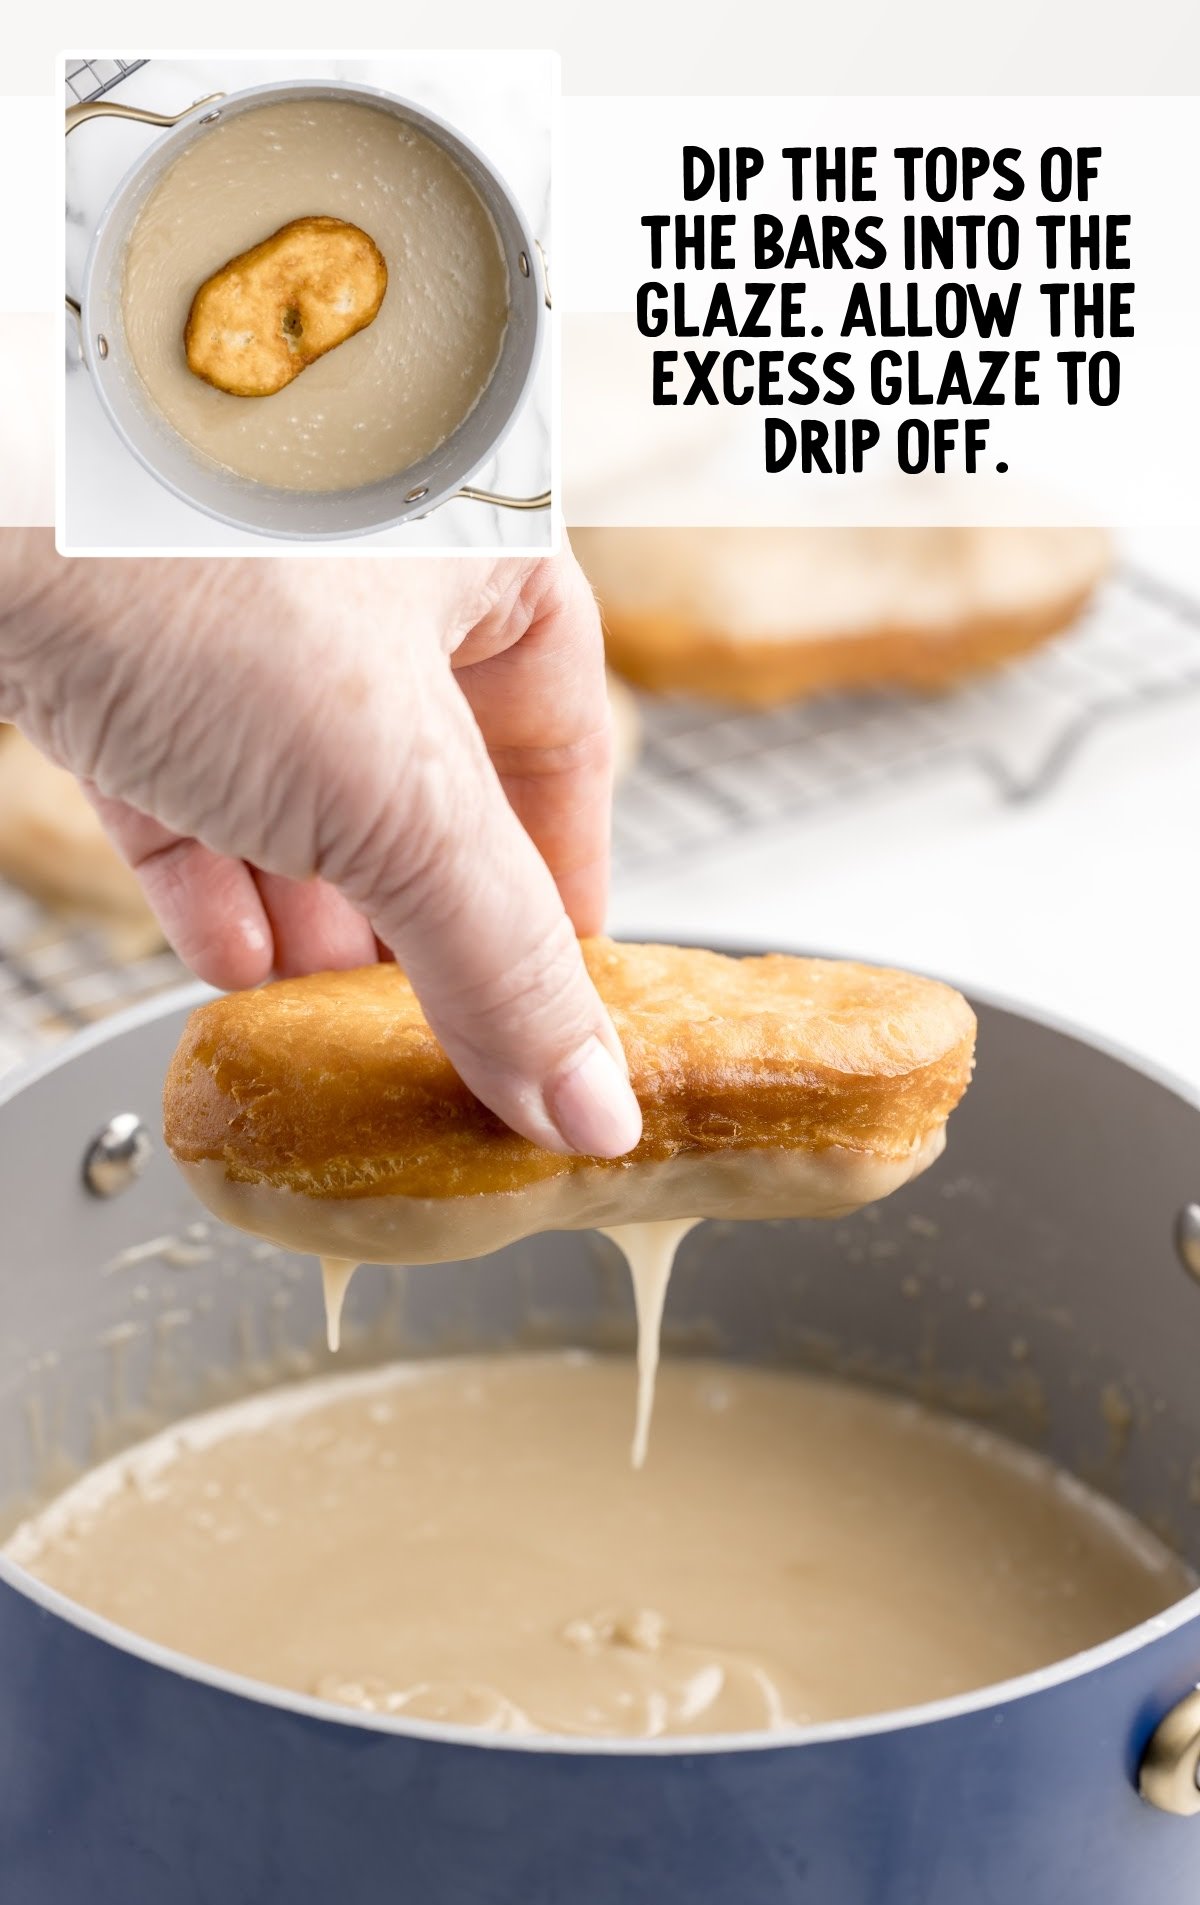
point(1169, 1775)
point(468, 493)
point(104, 109)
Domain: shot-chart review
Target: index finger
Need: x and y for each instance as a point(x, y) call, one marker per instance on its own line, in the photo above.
point(542, 707)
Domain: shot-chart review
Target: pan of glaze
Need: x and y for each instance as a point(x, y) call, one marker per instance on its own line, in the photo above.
point(236, 500)
point(1059, 1215)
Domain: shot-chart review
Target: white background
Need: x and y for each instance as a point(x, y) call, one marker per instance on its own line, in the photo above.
point(685, 46)
point(1135, 462)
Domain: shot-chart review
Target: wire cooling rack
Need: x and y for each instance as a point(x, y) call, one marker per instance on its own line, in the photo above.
point(57, 976)
point(87, 79)
point(706, 774)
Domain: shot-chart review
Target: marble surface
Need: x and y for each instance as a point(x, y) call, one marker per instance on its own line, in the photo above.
point(504, 103)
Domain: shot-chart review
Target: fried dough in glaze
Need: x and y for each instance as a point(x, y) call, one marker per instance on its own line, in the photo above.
point(334, 1086)
point(273, 310)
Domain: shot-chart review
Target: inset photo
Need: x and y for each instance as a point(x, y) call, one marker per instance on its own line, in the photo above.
point(308, 302)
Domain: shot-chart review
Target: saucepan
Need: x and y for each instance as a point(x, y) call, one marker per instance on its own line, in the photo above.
point(311, 516)
point(1065, 1217)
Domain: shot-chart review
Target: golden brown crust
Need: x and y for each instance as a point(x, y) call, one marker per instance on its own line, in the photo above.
point(674, 657)
point(273, 310)
point(334, 1085)
point(53, 847)
point(757, 618)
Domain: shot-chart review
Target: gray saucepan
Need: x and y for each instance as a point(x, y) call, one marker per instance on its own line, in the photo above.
point(235, 500)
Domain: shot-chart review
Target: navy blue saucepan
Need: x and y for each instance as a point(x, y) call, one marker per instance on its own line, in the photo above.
point(1059, 1216)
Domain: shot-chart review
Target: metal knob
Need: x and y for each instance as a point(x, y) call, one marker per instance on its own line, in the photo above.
point(1169, 1775)
point(1187, 1239)
point(117, 1157)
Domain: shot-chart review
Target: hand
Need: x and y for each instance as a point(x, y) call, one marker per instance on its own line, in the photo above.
point(311, 761)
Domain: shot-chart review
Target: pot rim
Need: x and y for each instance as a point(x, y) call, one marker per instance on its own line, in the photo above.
point(309, 1707)
point(311, 88)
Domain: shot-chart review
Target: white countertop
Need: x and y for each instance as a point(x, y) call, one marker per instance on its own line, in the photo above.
point(502, 102)
point(1083, 903)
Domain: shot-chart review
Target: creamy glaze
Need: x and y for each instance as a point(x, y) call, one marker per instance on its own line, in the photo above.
point(464, 1541)
point(335, 1281)
point(762, 1183)
point(647, 1209)
point(385, 398)
point(649, 1250)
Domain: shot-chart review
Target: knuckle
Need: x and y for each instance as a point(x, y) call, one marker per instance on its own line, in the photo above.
point(541, 993)
point(583, 755)
point(390, 844)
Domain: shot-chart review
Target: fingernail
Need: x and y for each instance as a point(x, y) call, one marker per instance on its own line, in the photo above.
point(596, 1113)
